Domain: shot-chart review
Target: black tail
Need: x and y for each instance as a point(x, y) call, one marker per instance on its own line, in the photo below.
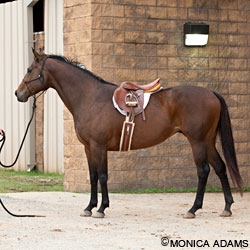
point(227, 142)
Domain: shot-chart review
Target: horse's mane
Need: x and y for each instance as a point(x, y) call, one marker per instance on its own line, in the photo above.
point(77, 65)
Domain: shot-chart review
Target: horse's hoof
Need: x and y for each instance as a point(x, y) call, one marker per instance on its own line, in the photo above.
point(189, 215)
point(225, 213)
point(86, 213)
point(98, 215)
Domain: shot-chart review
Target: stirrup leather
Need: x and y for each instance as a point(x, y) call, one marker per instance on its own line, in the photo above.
point(127, 133)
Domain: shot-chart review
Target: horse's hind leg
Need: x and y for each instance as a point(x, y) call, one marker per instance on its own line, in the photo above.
point(203, 169)
point(220, 169)
point(103, 178)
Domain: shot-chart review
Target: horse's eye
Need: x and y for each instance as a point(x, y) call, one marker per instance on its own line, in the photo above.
point(29, 70)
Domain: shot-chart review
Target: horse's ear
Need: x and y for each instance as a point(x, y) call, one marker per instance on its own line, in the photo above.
point(36, 54)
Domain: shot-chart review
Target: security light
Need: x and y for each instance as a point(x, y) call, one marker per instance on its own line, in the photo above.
point(195, 34)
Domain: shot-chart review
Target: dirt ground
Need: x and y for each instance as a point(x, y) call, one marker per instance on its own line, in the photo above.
point(134, 221)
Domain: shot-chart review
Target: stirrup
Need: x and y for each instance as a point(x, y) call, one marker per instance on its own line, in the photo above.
point(131, 100)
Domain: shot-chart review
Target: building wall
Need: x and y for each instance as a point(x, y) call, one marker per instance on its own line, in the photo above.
point(14, 46)
point(53, 106)
point(49, 114)
point(16, 43)
point(142, 40)
point(77, 45)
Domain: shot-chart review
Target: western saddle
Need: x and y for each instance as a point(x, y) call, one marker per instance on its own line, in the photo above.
point(130, 98)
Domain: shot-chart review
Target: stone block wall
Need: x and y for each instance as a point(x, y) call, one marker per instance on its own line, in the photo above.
point(142, 40)
point(78, 46)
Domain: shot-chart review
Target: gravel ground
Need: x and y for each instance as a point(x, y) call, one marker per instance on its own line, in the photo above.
point(134, 221)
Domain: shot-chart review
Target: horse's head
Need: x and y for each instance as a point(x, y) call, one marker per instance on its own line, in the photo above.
point(34, 80)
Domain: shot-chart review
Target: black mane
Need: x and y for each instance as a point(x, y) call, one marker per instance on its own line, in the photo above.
point(77, 65)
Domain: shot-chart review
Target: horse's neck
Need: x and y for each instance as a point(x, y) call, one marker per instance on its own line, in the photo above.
point(73, 86)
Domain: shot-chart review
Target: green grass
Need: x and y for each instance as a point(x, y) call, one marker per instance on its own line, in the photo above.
point(157, 190)
point(34, 181)
point(172, 190)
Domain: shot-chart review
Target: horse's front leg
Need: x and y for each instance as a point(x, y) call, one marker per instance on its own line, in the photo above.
point(93, 182)
point(97, 160)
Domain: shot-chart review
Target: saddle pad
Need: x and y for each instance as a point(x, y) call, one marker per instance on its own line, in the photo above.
point(146, 101)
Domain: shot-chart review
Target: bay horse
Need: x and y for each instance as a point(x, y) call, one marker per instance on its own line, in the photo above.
point(196, 112)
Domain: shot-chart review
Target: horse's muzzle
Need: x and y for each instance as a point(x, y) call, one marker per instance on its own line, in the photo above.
point(21, 97)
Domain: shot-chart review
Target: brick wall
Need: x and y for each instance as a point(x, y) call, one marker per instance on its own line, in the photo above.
point(141, 40)
point(77, 44)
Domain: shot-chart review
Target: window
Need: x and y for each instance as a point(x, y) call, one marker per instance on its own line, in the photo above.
point(38, 16)
point(3, 1)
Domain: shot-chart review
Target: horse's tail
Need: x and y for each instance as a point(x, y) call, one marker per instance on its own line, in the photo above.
point(227, 142)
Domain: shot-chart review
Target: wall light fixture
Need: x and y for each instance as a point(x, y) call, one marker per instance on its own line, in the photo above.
point(195, 34)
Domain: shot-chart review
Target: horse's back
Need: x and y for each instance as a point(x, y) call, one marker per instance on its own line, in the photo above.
point(194, 92)
point(193, 109)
